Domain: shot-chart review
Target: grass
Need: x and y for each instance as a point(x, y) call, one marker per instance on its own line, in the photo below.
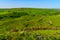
point(32, 35)
point(20, 18)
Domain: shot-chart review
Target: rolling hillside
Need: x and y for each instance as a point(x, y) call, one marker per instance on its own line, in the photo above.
point(20, 18)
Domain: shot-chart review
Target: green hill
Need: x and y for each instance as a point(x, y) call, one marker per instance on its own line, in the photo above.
point(20, 18)
point(28, 17)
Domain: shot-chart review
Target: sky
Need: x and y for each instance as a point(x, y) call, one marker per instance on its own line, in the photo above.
point(29, 3)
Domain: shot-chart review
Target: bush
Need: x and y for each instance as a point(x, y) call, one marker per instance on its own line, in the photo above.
point(17, 14)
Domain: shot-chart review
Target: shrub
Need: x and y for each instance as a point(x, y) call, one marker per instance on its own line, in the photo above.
point(17, 14)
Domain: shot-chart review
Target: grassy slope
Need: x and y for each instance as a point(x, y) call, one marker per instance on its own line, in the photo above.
point(33, 18)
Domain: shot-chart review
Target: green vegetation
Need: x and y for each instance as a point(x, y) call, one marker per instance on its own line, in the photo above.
point(12, 21)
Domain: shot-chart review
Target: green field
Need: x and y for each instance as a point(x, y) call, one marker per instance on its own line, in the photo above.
point(20, 18)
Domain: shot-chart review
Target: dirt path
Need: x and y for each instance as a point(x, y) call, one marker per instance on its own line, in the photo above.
point(52, 28)
point(34, 29)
